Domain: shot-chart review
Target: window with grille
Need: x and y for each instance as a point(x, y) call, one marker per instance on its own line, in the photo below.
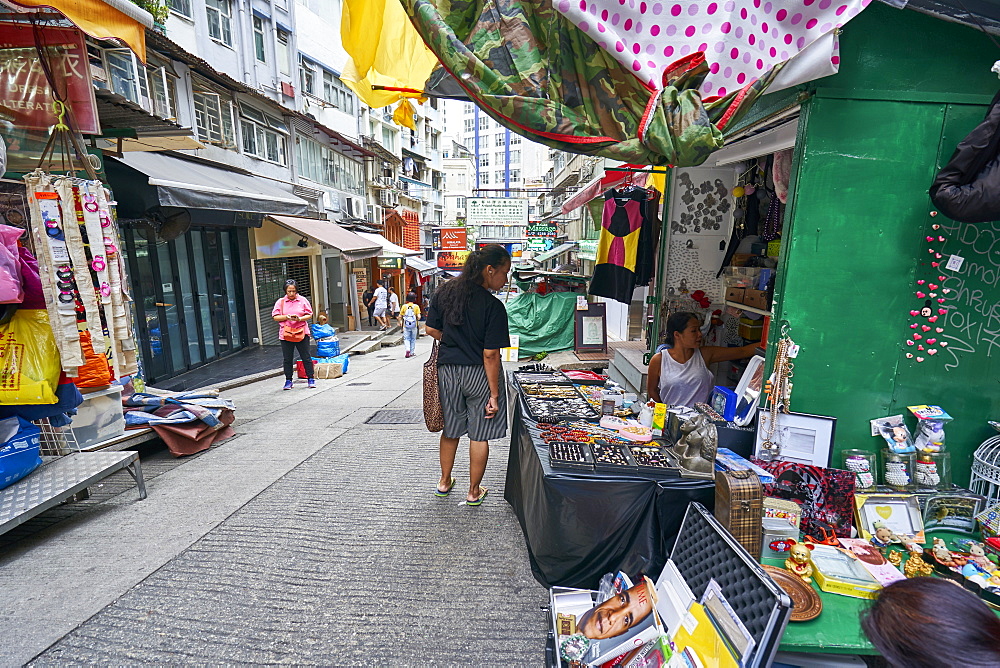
point(484, 179)
point(484, 123)
point(213, 117)
point(500, 139)
point(514, 139)
point(515, 157)
point(271, 274)
point(219, 21)
point(469, 124)
point(126, 77)
point(484, 160)
point(163, 92)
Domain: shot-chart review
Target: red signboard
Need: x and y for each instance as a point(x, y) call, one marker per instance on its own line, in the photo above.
point(26, 101)
point(454, 239)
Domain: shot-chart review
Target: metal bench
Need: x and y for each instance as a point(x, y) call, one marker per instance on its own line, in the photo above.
point(58, 479)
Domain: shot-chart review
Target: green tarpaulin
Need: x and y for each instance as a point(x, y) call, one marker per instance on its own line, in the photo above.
point(544, 322)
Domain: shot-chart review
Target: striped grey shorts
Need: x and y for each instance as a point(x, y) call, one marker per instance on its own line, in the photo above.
point(464, 393)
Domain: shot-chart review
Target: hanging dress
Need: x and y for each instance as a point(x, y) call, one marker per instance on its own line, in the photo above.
point(621, 225)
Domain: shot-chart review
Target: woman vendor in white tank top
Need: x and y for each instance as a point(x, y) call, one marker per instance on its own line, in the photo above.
point(679, 375)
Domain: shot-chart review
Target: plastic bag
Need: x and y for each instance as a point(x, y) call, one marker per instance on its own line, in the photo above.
point(343, 359)
point(11, 288)
point(327, 348)
point(95, 371)
point(322, 332)
point(29, 359)
point(19, 450)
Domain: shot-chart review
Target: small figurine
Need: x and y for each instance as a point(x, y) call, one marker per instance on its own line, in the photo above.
point(977, 555)
point(799, 560)
point(916, 565)
point(882, 535)
point(895, 557)
point(993, 583)
point(946, 557)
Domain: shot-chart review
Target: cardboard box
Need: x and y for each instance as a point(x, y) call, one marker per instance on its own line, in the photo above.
point(735, 295)
point(756, 299)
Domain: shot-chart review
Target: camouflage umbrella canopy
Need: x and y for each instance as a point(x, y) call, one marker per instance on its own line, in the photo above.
point(535, 72)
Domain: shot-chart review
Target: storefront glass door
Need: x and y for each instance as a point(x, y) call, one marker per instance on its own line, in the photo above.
point(188, 299)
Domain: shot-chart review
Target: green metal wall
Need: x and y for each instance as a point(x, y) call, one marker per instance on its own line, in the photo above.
point(870, 141)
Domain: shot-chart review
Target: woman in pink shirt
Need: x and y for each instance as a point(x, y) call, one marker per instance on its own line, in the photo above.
point(293, 312)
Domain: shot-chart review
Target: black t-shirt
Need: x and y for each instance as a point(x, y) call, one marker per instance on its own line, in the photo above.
point(483, 328)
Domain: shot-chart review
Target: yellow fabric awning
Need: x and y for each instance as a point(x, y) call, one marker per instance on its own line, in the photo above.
point(384, 49)
point(102, 19)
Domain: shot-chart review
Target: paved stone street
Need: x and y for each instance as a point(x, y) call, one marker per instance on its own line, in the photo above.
point(310, 538)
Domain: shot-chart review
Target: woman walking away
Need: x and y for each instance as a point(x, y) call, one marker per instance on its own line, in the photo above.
point(471, 325)
point(393, 303)
point(408, 318)
point(293, 312)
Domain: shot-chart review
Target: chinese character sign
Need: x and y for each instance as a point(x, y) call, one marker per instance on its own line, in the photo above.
point(27, 100)
point(497, 211)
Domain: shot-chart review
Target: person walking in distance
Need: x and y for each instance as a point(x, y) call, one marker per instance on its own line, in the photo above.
point(393, 303)
point(471, 326)
point(366, 299)
point(380, 301)
point(409, 316)
point(293, 312)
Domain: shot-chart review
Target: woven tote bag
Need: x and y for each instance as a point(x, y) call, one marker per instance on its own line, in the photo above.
point(433, 417)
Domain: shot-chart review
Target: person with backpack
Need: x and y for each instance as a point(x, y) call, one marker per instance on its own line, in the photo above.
point(409, 316)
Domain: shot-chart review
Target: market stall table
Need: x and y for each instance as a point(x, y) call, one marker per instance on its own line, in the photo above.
point(58, 479)
point(580, 525)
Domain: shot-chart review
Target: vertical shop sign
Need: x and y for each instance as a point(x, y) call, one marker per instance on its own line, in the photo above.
point(26, 100)
point(361, 279)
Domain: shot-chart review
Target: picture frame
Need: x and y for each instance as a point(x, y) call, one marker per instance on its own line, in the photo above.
point(803, 438)
point(900, 512)
point(591, 329)
point(953, 511)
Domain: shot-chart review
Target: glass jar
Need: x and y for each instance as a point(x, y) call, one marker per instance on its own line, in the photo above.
point(897, 470)
point(862, 464)
point(933, 471)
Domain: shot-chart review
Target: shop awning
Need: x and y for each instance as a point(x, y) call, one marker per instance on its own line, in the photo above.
point(119, 20)
point(196, 185)
point(555, 252)
point(422, 267)
point(389, 249)
point(351, 246)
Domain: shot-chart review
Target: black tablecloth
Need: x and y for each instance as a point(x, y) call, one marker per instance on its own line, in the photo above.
point(579, 526)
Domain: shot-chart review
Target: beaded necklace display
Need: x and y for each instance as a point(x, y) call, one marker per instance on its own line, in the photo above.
point(778, 390)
